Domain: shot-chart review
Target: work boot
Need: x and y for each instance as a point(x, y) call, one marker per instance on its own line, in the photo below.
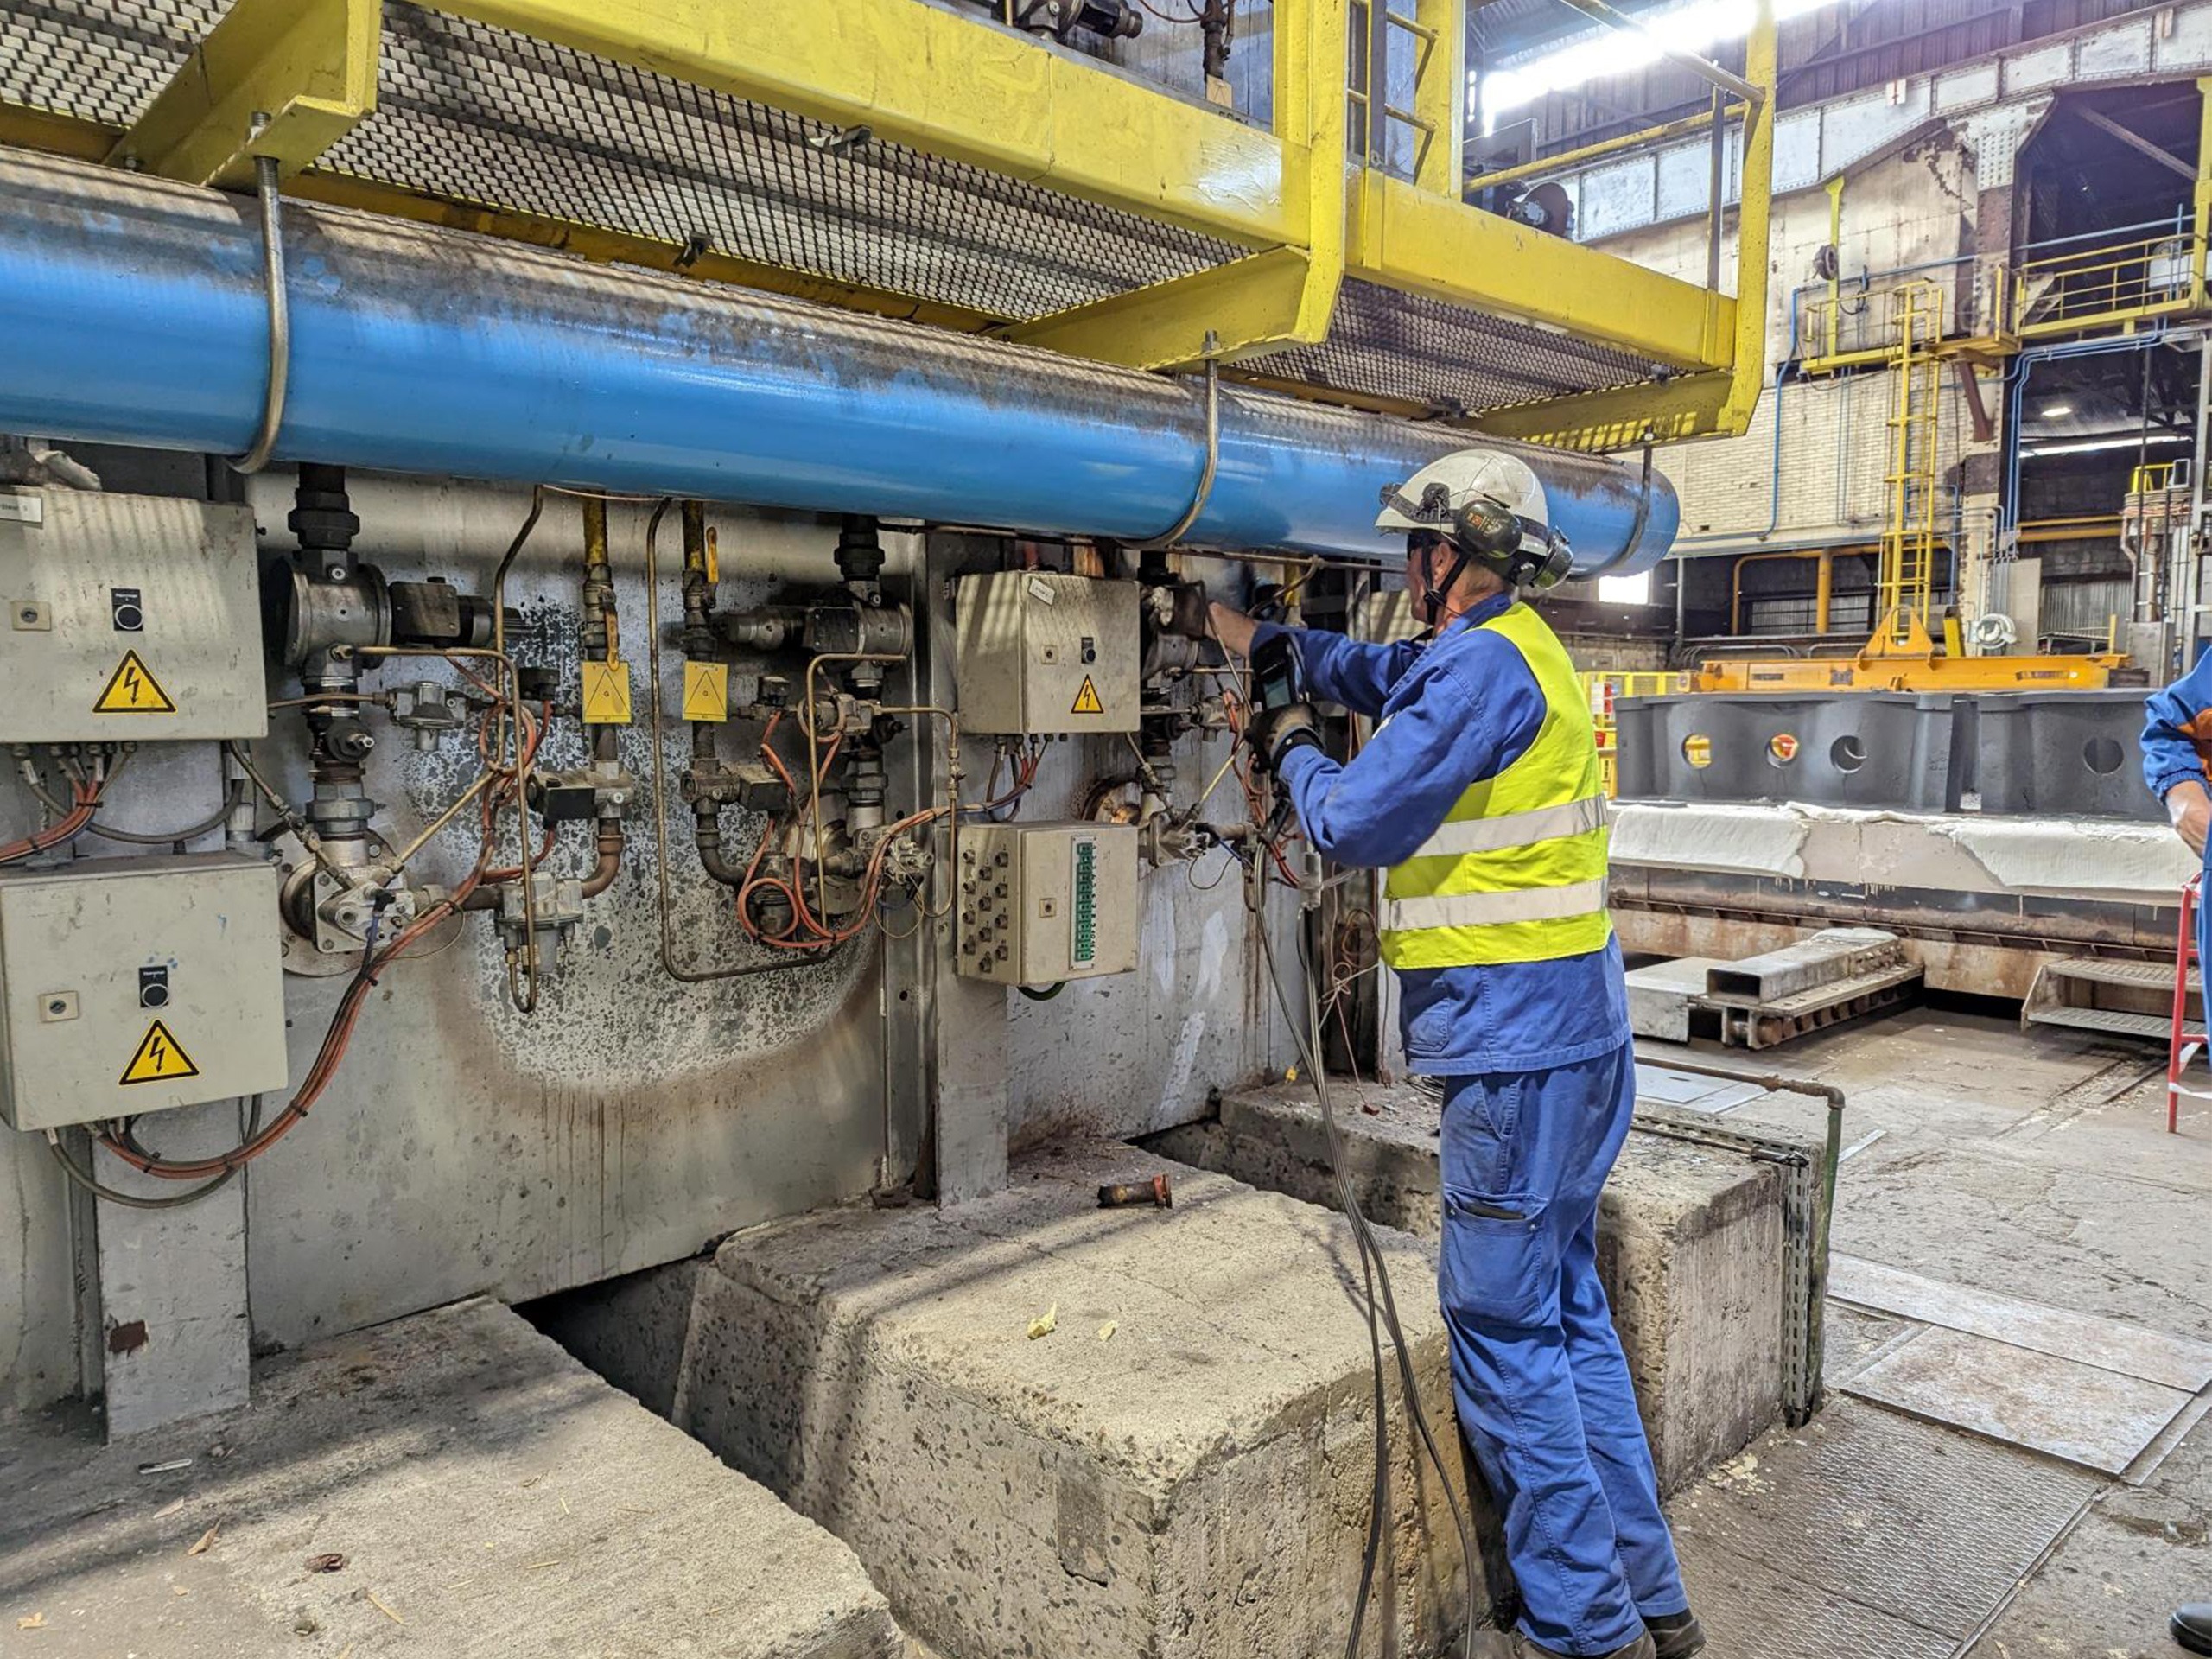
point(1676, 1635)
point(2192, 1626)
point(1642, 1648)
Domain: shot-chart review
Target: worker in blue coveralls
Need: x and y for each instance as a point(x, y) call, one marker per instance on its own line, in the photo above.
point(1480, 793)
point(2176, 745)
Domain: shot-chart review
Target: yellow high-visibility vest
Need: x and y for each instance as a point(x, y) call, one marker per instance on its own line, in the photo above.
point(1516, 872)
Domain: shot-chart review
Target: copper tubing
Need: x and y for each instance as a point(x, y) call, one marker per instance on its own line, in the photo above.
point(675, 969)
point(814, 763)
point(610, 859)
point(526, 1003)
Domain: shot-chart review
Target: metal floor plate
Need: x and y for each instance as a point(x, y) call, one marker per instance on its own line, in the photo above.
point(2109, 1345)
point(2057, 1406)
point(1692, 1090)
point(1866, 1532)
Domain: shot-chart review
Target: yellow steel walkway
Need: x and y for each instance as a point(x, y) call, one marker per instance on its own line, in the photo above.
point(926, 162)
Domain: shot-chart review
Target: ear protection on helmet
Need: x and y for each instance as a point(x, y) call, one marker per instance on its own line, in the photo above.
point(1524, 551)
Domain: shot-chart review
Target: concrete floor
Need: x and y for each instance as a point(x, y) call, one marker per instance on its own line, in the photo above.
point(450, 1484)
point(2033, 1165)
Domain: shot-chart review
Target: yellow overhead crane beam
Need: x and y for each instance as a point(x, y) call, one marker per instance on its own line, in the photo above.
point(1297, 199)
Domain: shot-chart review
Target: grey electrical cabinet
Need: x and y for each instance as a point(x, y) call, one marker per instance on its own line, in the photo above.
point(1044, 902)
point(131, 985)
point(1045, 654)
point(129, 618)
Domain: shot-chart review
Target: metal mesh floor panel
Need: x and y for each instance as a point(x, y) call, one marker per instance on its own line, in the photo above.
point(478, 114)
point(1867, 1532)
point(1385, 344)
point(482, 117)
point(97, 60)
point(472, 114)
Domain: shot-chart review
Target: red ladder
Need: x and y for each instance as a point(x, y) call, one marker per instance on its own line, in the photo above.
point(2184, 1044)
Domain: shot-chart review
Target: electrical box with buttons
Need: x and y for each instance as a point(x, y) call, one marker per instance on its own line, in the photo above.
point(1043, 654)
point(1044, 902)
point(131, 985)
point(129, 618)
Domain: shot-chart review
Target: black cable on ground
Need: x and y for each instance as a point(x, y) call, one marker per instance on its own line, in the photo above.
point(1307, 1034)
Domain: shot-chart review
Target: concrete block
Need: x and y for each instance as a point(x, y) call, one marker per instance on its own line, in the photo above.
point(1690, 1244)
point(1179, 1470)
point(490, 1498)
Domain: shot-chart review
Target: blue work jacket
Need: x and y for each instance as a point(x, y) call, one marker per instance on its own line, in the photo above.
point(1455, 711)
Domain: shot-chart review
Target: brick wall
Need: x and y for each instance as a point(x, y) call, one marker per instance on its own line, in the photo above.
point(1910, 208)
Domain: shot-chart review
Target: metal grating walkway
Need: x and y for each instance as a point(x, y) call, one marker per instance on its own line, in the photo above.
point(489, 119)
point(1413, 349)
point(1866, 1532)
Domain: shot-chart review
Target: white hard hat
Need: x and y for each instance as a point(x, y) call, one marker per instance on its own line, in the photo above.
point(1492, 506)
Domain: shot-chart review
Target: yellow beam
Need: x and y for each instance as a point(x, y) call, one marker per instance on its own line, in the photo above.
point(55, 135)
point(1567, 160)
point(1754, 231)
point(1422, 244)
point(1440, 96)
point(310, 66)
point(1246, 308)
point(1695, 405)
point(2202, 218)
point(949, 83)
point(1266, 301)
point(1688, 407)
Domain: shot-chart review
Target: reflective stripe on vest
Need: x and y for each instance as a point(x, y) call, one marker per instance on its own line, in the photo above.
point(1514, 830)
point(1516, 872)
point(1488, 909)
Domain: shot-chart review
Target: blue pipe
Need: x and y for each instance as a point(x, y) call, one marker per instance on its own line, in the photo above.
point(135, 314)
point(2023, 367)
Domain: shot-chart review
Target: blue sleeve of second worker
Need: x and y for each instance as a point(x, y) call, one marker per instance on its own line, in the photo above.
point(1467, 716)
point(2174, 715)
point(1344, 671)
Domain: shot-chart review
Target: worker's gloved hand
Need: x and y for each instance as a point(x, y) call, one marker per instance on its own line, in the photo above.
point(1182, 609)
point(1276, 733)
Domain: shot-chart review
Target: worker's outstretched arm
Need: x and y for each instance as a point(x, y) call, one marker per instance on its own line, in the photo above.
point(2179, 717)
point(1340, 671)
point(1459, 722)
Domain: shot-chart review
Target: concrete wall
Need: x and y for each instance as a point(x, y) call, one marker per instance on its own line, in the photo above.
point(465, 1147)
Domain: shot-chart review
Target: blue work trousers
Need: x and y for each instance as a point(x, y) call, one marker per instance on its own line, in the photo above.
point(1537, 1372)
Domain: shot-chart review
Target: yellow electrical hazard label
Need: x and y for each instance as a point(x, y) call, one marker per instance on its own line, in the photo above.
point(607, 693)
point(706, 691)
point(132, 690)
point(159, 1059)
point(1086, 701)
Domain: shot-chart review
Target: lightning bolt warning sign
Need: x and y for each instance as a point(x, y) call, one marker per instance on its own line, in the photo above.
point(159, 1059)
point(132, 690)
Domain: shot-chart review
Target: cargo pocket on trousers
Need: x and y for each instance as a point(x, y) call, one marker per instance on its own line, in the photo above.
point(1499, 1265)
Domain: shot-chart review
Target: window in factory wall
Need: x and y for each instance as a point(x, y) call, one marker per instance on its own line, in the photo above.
point(1625, 590)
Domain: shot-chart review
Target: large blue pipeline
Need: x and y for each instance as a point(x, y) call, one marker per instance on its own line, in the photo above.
point(132, 312)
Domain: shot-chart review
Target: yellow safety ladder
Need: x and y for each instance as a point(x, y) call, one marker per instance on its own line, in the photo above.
point(1907, 577)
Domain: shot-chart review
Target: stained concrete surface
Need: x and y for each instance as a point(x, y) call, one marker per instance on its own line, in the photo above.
point(489, 1497)
point(1180, 1468)
point(2032, 1165)
point(1690, 1243)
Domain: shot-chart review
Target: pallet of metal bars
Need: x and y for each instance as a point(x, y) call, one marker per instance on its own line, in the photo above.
point(1839, 974)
